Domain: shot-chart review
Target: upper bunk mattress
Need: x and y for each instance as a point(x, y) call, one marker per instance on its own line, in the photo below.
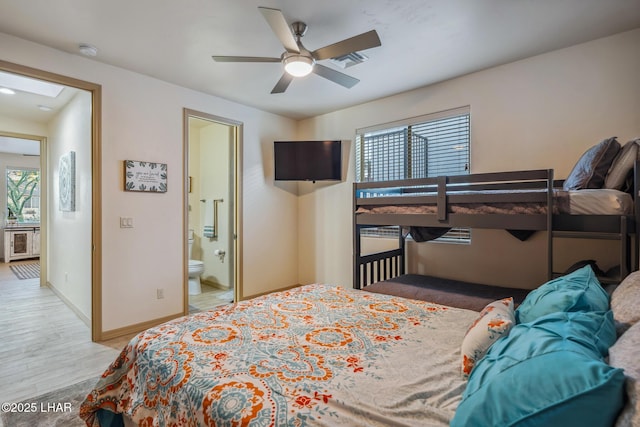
point(601, 201)
point(581, 202)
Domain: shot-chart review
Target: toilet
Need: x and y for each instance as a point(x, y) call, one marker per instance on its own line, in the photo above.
point(196, 268)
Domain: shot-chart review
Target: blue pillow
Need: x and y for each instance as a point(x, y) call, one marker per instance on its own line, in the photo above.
point(549, 372)
point(578, 291)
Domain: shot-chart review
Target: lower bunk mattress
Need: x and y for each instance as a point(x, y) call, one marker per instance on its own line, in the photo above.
point(452, 293)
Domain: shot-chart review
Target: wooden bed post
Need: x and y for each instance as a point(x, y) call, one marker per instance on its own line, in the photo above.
point(356, 258)
point(636, 214)
point(549, 224)
point(403, 253)
point(356, 243)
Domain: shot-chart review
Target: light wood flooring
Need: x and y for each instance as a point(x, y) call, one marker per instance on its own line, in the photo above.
point(45, 346)
point(209, 298)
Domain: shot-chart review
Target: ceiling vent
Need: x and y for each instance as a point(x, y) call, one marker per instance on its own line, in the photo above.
point(349, 60)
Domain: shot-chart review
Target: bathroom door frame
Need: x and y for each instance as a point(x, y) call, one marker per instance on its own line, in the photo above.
point(236, 184)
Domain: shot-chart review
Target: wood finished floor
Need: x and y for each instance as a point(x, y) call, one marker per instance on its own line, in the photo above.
point(45, 346)
point(209, 298)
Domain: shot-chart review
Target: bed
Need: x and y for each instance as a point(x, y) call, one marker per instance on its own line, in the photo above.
point(521, 202)
point(315, 355)
point(322, 355)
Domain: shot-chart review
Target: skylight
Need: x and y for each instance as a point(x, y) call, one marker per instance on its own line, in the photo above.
point(26, 84)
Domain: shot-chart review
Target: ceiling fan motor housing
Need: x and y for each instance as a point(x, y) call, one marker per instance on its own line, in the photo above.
point(299, 29)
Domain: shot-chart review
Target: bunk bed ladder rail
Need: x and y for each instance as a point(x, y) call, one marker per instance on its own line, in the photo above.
point(549, 224)
point(368, 269)
point(378, 266)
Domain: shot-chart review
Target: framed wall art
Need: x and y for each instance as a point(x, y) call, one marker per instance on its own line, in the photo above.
point(67, 182)
point(145, 176)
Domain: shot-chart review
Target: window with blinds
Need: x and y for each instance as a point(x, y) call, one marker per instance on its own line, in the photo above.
point(426, 146)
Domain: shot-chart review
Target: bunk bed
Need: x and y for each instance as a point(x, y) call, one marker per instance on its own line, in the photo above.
point(522, 202)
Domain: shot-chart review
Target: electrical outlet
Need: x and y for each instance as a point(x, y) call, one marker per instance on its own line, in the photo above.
point(160, 293)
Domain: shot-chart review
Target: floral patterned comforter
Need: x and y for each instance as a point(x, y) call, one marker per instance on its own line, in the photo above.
point(315, 355)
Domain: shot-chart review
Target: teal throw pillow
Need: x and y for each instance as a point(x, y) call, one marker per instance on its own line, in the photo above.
point(550, 372)
point(577, 291)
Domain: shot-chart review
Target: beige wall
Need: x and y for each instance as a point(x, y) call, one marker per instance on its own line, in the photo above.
point(142, 120)
point(209, 164)
point(541, 112)
point(69, 233)
point(8, 124)
point(194, 173)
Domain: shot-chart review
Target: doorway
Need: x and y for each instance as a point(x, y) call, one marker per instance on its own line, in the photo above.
point(24, 204)
point(212, 220)
point(75, 267)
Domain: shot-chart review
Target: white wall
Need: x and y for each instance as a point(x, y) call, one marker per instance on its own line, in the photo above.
point(194, 173)
point(69, 239)
point(9, 124)
point(142, 120)
point(541, 112)
point(209, 164)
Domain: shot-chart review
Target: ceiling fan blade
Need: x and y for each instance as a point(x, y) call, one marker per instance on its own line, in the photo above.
point(283, 83)
point(335, 76)
point(360, 42)
point(278, 24)
point(219, 58)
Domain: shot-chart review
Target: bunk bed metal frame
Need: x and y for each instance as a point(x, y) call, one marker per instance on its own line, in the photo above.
point(531, 186)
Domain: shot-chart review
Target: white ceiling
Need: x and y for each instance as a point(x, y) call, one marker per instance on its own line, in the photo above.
point(423, 41)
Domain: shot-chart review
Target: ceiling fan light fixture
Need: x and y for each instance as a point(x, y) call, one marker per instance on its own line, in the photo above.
point(298, 65)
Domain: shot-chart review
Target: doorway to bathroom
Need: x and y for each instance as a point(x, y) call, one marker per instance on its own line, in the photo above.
point(212, 221)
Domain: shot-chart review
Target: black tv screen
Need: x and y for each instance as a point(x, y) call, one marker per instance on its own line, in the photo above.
point(307, 160)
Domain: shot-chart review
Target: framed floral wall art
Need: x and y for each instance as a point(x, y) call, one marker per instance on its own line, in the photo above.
point(145, 176)
point(67, 182)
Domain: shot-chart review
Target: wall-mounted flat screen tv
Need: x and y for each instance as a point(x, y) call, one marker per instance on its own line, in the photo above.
point(307, 160)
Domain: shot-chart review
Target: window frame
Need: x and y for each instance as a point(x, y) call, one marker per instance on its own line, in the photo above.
point(37, 193)
point(455, 235)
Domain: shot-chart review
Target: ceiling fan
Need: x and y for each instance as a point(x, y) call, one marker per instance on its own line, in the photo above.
point(298, 61)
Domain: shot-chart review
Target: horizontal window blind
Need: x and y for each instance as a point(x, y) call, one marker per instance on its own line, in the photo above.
point(427, 146)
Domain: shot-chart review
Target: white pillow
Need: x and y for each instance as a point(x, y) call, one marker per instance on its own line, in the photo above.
point(625, 301)
point(495, 321)
point(624, 354)
point(622, 164)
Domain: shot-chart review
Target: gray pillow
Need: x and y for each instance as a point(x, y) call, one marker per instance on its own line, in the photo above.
point(621, 165)
point(624, 354)
point(625, 301)
point(592, 168)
